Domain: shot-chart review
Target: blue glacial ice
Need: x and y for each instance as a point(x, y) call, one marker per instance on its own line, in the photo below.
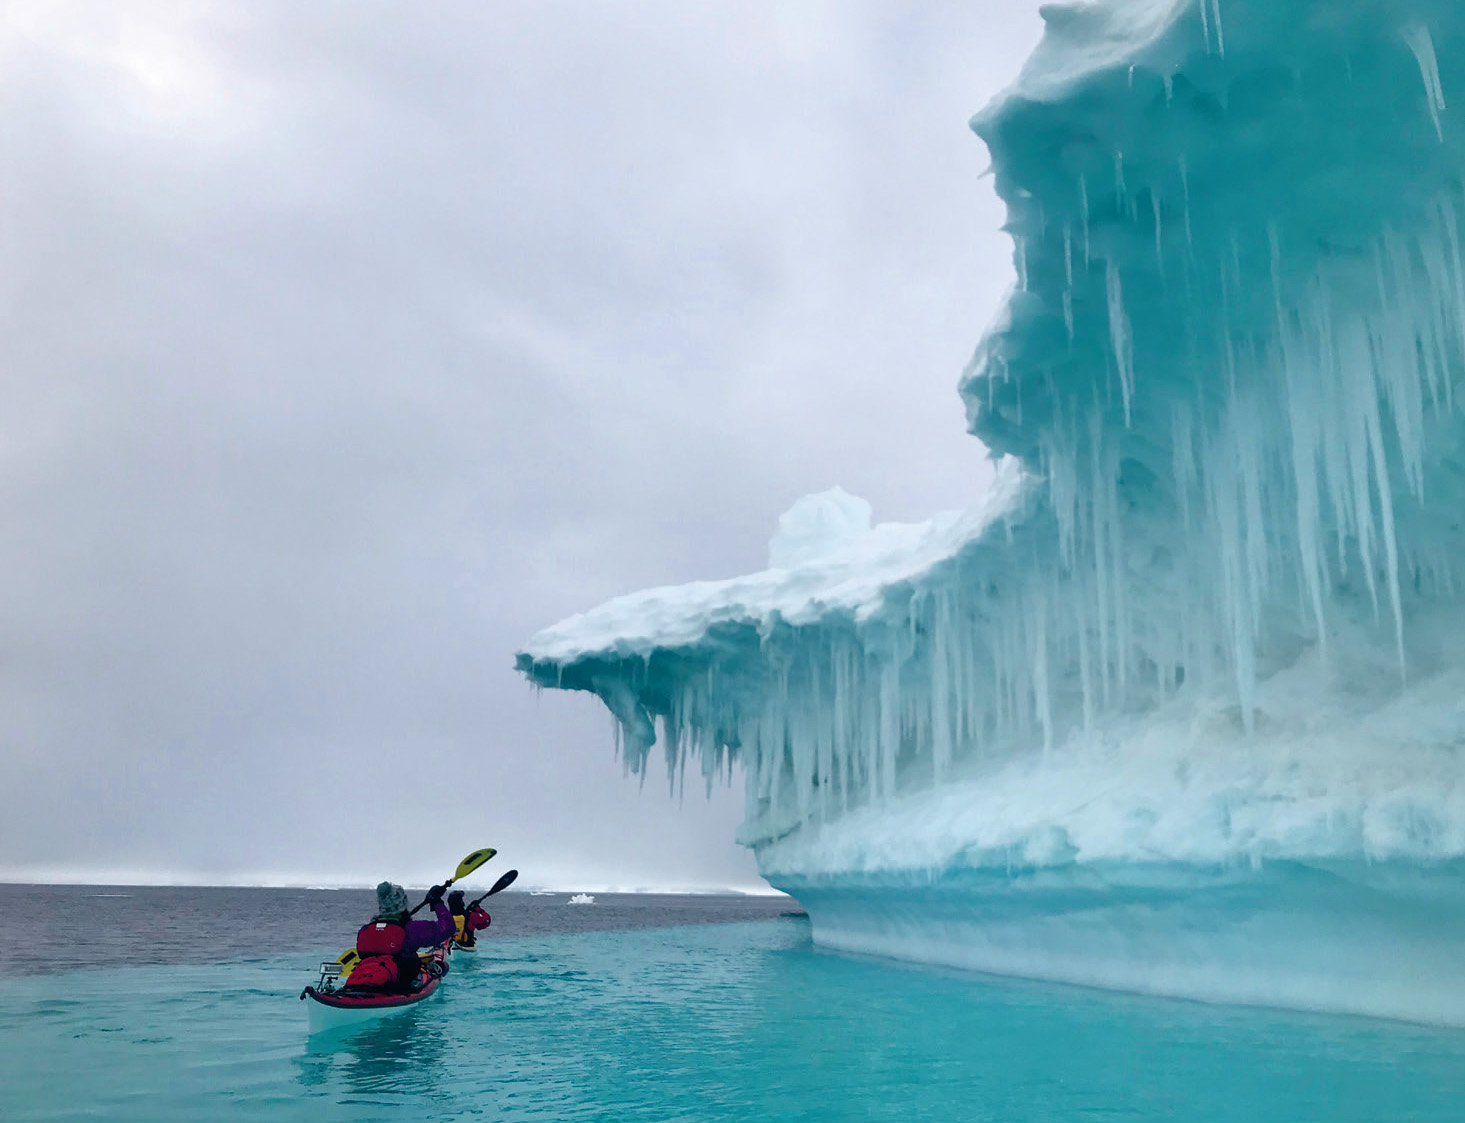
point(1181, 708)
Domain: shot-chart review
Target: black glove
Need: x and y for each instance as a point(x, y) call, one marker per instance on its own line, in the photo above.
point(435, 894)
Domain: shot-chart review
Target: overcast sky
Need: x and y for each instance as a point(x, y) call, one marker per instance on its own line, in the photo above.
point(346, 344)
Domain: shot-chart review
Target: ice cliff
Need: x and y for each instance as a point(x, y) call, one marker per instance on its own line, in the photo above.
point(1182, 709)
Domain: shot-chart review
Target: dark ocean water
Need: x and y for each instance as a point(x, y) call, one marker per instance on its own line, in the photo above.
point(65, 927)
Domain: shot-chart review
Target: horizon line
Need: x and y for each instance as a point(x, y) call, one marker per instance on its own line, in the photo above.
point(764, 890)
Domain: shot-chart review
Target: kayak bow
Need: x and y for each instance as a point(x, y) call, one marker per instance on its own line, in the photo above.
point(338, 1007)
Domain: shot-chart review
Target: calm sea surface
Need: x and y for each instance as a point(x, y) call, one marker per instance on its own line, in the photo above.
point(114, 926)
point(646, 1009)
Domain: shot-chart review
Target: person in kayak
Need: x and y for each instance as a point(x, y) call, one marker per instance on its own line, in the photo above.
point(467, 922)
point(388, 943)
point(478, 920)
point(460, 918)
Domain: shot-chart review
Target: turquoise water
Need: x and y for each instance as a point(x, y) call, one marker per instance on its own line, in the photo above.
point(735, 1021)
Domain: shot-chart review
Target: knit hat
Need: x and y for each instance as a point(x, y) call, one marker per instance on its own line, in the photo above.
point(391, 901)
point(455, 902)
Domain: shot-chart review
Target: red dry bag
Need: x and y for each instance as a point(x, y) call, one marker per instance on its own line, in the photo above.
point(374, 971)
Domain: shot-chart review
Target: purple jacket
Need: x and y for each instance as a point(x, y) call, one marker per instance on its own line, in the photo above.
point(429, 933)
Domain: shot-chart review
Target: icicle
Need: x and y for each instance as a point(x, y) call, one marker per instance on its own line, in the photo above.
point(1041, 693)
point(1182, 462)
point(1303, 421)
point(1386, 511)
point(1185, 188)
point(1159, 234)
point(1119, 336)
point(1359, 400)
point(1099, 517)
point(1083, 201)
point(1457, 269)
point(1085, 674)
point(1419, 40)
point(889, 727)
point(1068, 281)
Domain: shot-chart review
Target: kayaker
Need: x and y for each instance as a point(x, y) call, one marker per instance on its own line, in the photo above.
point(390, 934)
point(461, 935)
point(478, 920)
point(467, 922)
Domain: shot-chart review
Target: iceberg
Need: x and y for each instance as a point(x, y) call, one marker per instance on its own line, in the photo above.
point(1181, 707)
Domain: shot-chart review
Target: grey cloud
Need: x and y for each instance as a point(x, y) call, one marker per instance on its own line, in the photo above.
point(343, 346)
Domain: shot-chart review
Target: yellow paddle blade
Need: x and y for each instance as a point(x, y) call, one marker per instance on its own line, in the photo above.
point(472, 862)
point(348, 960)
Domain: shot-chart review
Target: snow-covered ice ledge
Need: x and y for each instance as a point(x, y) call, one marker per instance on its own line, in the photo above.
point(1182, 708)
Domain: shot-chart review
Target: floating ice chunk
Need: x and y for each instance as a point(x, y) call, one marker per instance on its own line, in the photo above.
point(581, 899)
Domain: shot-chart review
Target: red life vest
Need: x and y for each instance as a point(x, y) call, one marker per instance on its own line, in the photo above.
point(380, 937)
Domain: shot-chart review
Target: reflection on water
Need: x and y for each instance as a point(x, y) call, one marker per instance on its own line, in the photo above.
point(400, 1055)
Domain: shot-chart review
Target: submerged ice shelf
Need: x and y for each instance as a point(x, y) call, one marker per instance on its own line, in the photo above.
point(1203, 649)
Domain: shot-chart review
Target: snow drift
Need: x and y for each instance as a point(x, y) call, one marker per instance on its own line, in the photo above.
point(1182, 708)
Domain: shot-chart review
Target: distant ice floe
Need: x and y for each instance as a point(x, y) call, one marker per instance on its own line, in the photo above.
point(581, 899)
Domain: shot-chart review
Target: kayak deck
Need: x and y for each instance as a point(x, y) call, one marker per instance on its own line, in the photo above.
point(332, 1008)
point(340, 1010)
point(368, 1000)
